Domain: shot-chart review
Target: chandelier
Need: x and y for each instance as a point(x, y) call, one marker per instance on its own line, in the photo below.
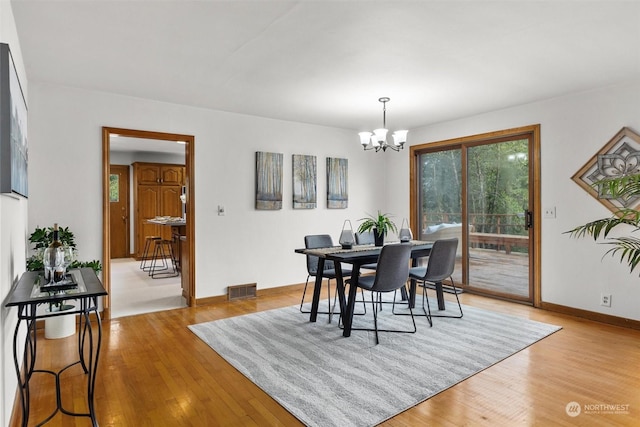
point(378, 139)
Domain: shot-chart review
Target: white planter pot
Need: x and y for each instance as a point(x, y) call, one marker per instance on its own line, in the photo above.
point(60, 326)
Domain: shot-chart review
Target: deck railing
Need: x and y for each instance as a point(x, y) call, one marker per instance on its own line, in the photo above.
point(482, 223)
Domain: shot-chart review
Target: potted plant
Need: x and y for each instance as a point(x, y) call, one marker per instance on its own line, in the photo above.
point(40, 239)
point(380, 224)
point(627, 247)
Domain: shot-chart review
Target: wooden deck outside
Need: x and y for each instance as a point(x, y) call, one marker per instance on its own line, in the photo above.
point(496, 271)
point(499, 241)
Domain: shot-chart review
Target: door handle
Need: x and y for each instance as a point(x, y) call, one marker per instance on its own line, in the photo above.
point(528, 215)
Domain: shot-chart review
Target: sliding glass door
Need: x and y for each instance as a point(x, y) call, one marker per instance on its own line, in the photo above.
point(479, 191)
point(497, 215)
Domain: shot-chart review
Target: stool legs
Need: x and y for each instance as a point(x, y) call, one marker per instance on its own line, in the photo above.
point(163, 249)
point(147, 253)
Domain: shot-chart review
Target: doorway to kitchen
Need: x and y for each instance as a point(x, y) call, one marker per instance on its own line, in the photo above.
point(126, 271)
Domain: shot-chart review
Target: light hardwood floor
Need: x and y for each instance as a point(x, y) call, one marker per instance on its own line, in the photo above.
point(133, 291)
point(154, 372)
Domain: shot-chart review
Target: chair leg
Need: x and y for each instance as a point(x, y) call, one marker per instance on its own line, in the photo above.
point(456, 316)
point(330, 311)
point(376, 306)
point(411, 313)
point(375, 316)
point(425, 302)
point(304, 292)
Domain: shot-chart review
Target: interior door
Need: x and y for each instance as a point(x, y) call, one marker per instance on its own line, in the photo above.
point(119, 210)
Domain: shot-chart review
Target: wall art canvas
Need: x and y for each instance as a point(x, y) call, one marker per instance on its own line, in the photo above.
point(13, 128)
point(304, 181)
point(269, 180)
point(618, 157)
point(337, 183)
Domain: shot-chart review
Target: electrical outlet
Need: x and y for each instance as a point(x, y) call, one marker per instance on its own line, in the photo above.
point(605, 300)
point(220, 210)
point(550, 212)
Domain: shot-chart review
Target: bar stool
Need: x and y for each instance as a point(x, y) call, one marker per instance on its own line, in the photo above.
point(163, 249)
point(147, 253)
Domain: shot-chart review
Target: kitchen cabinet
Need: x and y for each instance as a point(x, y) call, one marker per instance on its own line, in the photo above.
point(157, 188)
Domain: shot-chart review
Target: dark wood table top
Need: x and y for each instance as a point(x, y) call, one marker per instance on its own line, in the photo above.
point(364, 252)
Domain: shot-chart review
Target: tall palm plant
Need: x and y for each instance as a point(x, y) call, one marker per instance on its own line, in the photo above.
point(627, 247)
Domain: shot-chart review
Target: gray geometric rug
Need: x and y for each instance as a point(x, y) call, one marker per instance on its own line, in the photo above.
point(324, 379)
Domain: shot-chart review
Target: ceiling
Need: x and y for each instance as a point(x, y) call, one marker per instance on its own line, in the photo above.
point(328, 62)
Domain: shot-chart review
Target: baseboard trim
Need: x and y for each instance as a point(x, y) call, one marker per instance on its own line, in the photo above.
point(260, 292)
point(591, 315)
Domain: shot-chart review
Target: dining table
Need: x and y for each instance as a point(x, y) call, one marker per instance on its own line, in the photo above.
point(357, 256)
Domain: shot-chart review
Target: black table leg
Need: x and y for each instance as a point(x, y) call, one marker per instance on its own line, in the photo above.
point(347, 317)
point(412, 288)
point(316, 291)
point(440, 295)
point(340, 291)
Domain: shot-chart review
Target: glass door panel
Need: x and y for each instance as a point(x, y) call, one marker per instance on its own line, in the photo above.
point(440, 199)
point(497, 216)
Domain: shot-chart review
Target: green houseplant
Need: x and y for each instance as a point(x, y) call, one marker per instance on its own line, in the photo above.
point(41, 238)
point(380, 224)
point(627, 247)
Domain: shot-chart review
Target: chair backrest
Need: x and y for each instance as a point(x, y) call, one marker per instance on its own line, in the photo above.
point(442, 260)
point(393, 267)
point(366, 238)
point(315, 241)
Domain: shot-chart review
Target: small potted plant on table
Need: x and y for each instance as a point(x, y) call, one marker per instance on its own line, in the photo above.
point(380, 225)
point(40, 239)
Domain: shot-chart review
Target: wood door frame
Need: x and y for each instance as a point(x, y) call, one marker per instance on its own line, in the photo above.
point(534, 183)
point(190, 205)
point(127, 243)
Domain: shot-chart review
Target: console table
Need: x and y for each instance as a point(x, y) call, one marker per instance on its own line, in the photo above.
point(27, 295)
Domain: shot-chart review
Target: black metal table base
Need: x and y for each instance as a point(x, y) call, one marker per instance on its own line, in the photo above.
point(88, 353)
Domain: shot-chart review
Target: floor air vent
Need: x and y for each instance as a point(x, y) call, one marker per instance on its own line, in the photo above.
point(241, 291)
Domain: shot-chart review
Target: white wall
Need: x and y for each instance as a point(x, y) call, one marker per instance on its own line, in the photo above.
point(243, 246)
point(13, 236)
point(573, 129)
point(65, 124)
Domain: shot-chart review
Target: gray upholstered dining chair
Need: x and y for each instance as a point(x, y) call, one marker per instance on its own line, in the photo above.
point(441, 264)
point(316, 241)
point(392, 274)
point(366, 238)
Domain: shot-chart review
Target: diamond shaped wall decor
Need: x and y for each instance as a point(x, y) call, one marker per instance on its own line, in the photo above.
point(619, 157)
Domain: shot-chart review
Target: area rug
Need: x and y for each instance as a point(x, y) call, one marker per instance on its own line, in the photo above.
point(324, 379)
